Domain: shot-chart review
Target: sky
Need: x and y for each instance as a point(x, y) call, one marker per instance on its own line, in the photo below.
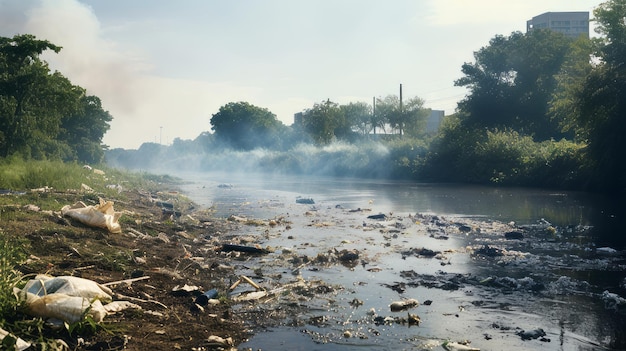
point(163, 68)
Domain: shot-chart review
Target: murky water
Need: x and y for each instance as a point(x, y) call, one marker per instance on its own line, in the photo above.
point(561, 287)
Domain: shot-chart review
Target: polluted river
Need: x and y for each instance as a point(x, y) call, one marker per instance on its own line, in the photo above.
point(406, 266)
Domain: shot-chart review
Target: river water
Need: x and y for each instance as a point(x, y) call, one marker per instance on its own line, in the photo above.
point(560, 287)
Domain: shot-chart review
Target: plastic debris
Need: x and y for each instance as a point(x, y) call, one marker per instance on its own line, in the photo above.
point(455, 346)
point(102, 215)
point(305, 201)
point(403, 305)
point(69, 299)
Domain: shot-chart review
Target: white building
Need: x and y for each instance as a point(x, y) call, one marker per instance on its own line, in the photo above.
point(572, 24)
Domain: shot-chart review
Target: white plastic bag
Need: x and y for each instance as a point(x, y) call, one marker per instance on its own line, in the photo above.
point(69, 299)
point(102, 215)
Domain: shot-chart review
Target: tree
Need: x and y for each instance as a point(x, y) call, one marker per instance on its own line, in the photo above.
point(42, 114)
point(321, 121)
point(602, 100)
point(245, 126)
point(23, 75)
point(358, 116)
point(83, 130)
point(564, 106)
point(407, 118)
point(512, 81)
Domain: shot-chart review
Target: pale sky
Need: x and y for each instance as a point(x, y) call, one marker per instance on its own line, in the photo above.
point(162, 68)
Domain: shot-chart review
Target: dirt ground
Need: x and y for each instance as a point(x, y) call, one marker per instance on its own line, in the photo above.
point(165, 243)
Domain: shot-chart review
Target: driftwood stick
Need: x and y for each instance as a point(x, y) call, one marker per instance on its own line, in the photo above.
point(126, 281)
point(251, 282)
point(124, 297)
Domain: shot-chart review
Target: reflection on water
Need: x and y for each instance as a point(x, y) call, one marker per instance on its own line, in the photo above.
point(557, 282)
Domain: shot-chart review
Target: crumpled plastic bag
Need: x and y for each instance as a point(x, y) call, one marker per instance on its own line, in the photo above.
point(69, 299)
point(102, 215)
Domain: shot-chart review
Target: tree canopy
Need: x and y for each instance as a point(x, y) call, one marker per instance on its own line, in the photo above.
point(42, 114)
point(511, 83)
point(245, 126)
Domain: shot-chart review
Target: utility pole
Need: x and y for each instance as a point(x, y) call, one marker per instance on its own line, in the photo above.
point(374, 113)
point(401, 113)
point(161, 135)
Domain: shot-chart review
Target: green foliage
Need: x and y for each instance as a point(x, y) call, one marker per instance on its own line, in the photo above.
point(512, 82)
point(245, 126)
point(12, 254)
point(42, 114)
point(506, 157)
point(323, 120)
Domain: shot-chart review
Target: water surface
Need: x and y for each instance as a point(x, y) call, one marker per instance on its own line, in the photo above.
point(555, 281)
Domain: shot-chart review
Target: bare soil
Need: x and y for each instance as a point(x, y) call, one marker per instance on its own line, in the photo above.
point(166, 246)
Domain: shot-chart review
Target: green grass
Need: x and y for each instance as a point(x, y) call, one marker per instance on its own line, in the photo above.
point(61, 181)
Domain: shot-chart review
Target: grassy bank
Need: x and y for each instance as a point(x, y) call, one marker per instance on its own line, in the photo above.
point(36, 239)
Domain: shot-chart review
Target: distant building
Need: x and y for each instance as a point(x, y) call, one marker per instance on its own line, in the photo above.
point(297, 118)
point(434, 121)
point(572, 24)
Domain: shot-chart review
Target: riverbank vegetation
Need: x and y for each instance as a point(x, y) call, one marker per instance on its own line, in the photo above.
point(541, 110)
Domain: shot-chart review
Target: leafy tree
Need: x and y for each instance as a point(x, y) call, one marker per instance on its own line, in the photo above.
point(408, 118)
point(602, 100)
point(83, 130)
point(358, 116)
point(564, 107)
point(512, 82)
point(245, 126)
point(321, 121)
point(22, 76)
point(43, 115)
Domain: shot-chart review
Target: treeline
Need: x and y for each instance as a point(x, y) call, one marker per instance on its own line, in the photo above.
point(43, 116)
point(541, 110)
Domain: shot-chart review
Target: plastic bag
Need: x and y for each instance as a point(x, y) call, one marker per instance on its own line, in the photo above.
point(69, 299)
point(102, 215)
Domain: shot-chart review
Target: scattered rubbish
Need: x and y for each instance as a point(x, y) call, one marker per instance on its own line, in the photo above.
point(420, 252)
point(457, 346)
point(186, 290)
point(16, 343)
point(31, 207)
point(69, 299)
point(606, 250)
point(613, 301)
point(243, 278)
point(380, 216)
point(241, 248)
point(348, 255)
point(356, 302)
point(488, 251)
point(464, 228)
point(203, 299)
point(397, 306)
point(413, 319)
point(306, 201)
point(514, 235)
point(532, 334)
point(102, 215)
point(218, 341)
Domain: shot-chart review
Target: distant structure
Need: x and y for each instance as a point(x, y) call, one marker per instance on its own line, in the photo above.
point(572, 24)
point(434, 121)
point(297, 118)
